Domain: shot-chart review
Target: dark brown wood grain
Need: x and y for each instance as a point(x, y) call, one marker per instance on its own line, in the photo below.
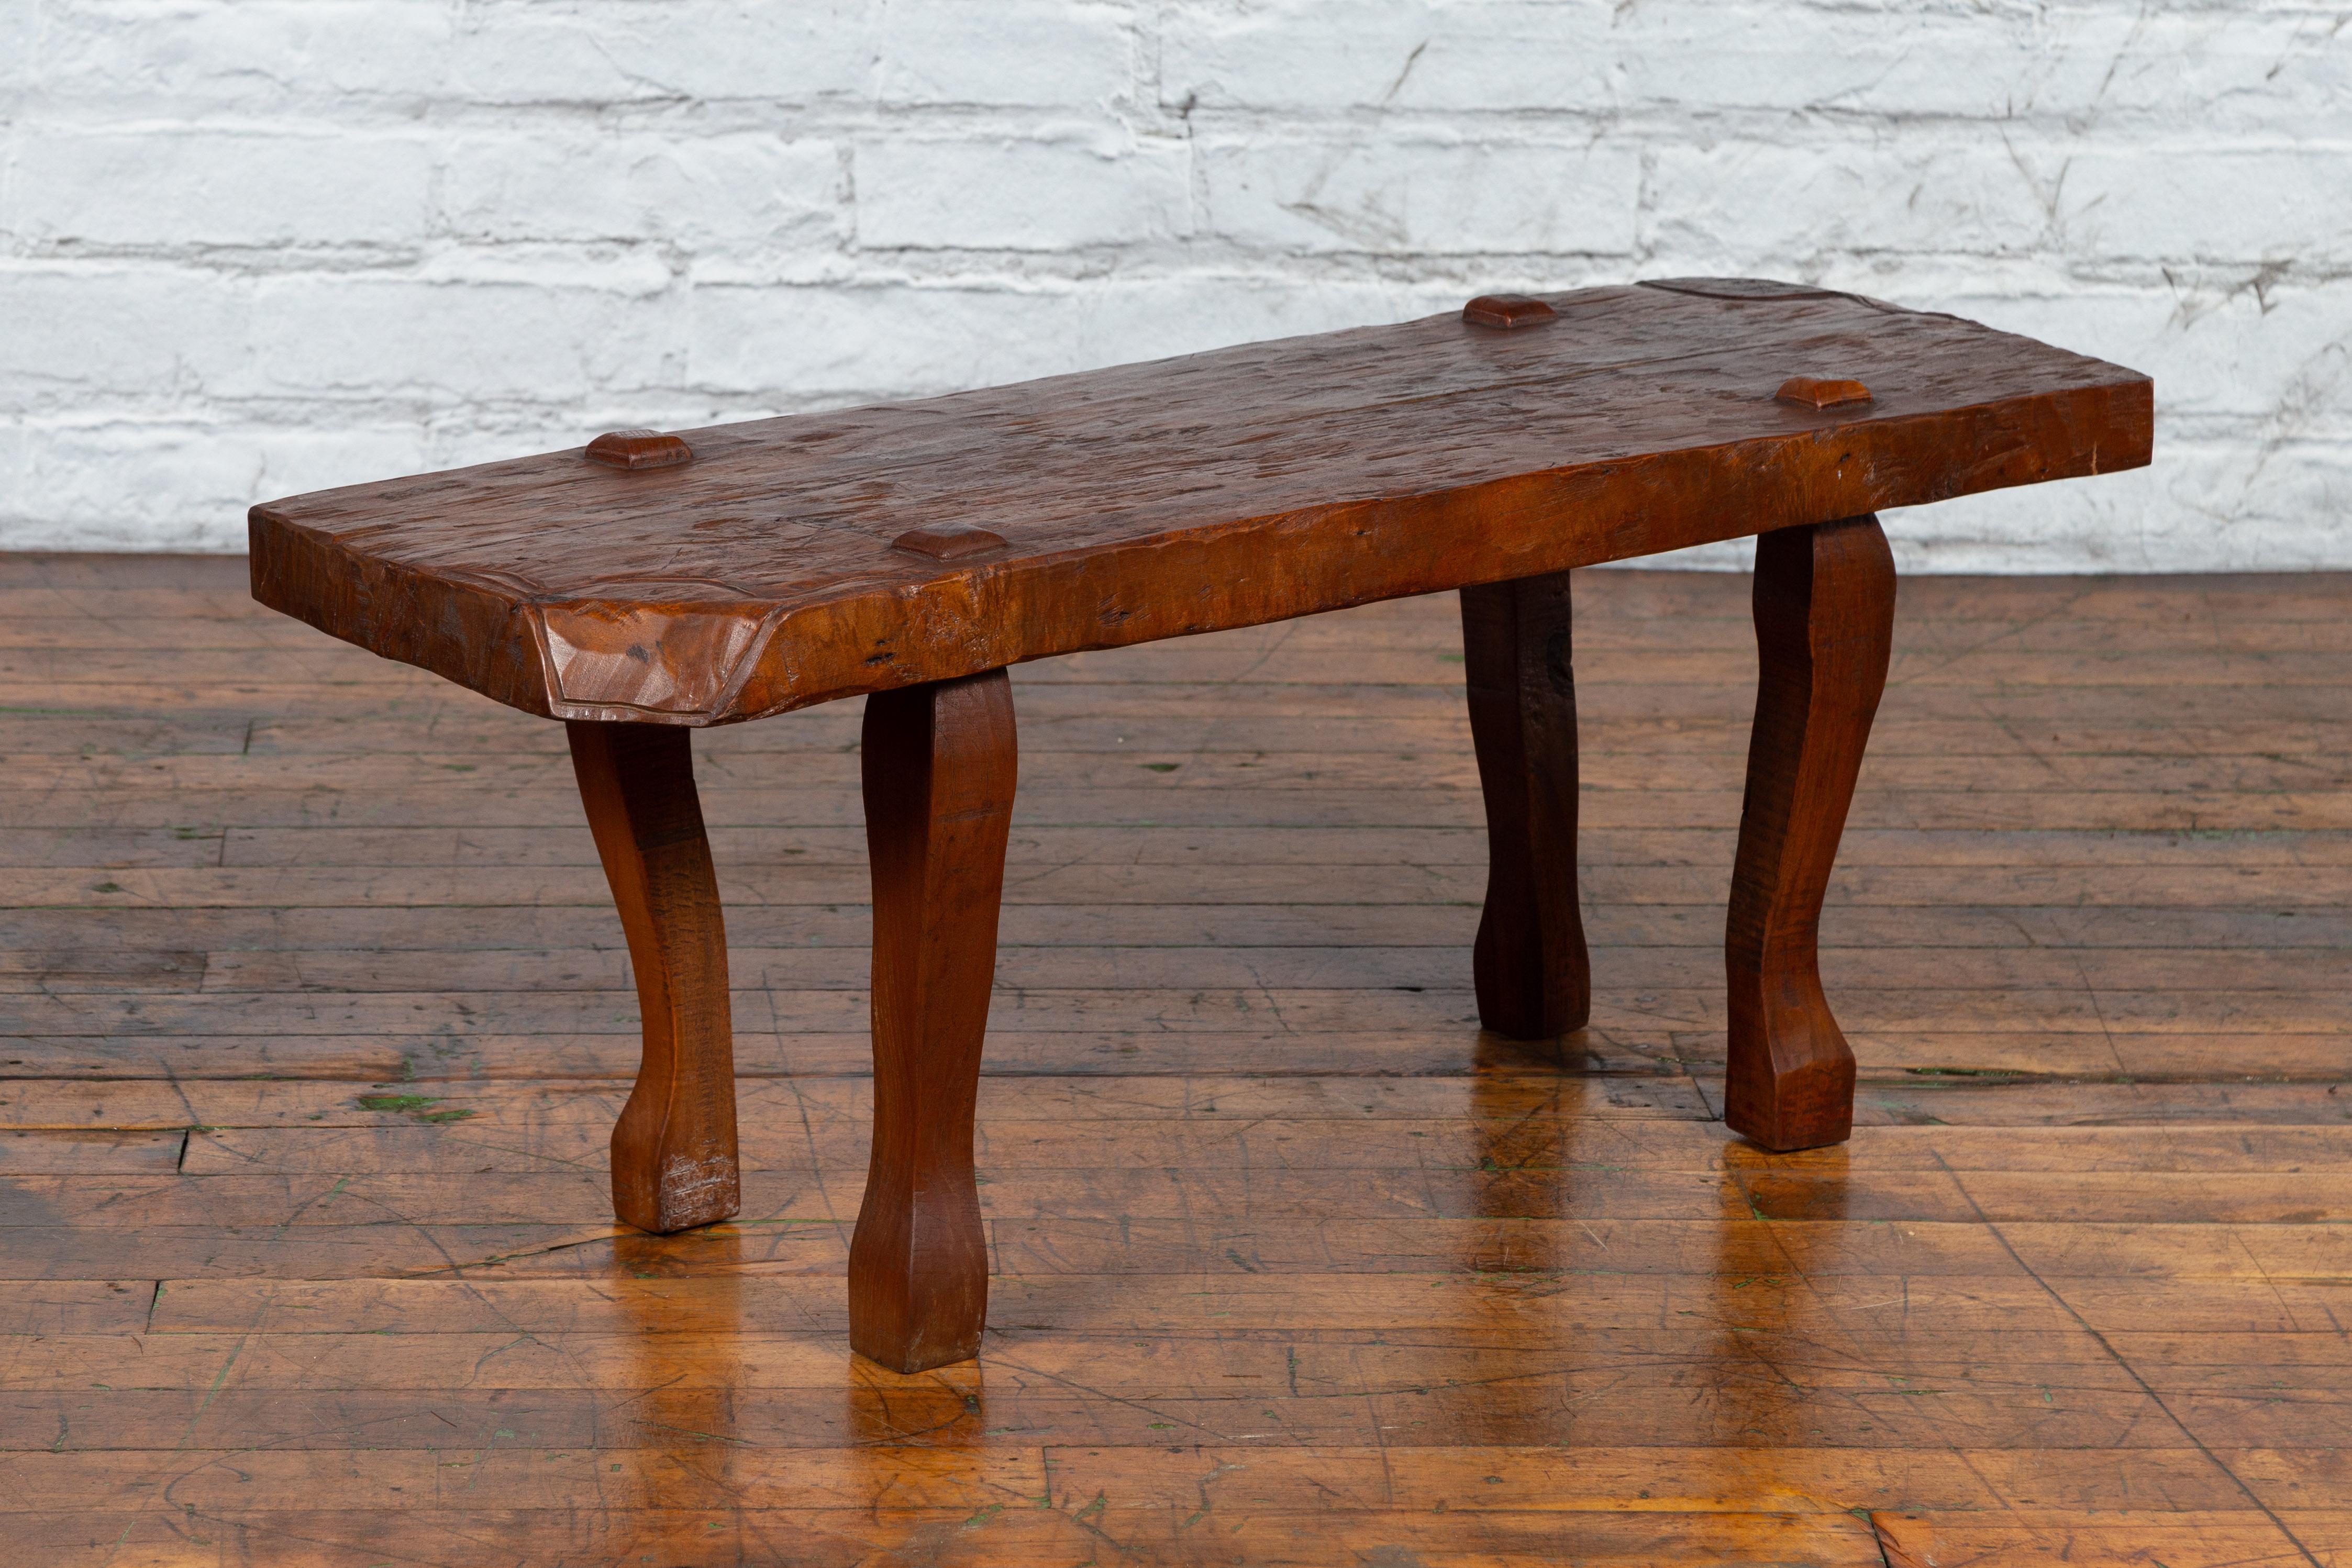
point(938, 764)
point(1824, 608)
point(1534, 979)
point(674, 1146)
point(1249, 484)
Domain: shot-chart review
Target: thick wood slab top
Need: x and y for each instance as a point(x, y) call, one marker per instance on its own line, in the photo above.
point(1248, 485)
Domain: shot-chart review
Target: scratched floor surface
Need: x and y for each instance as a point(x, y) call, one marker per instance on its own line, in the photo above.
point(318, 1018)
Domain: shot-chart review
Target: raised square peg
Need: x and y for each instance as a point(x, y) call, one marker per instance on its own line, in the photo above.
point(639, 449)
point(1809, 392)
point(1506, 311)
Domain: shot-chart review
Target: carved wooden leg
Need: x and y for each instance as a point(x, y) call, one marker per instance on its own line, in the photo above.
point(938, 764)
point(1535, 981)
point(1825, 616)
point(674, 1146)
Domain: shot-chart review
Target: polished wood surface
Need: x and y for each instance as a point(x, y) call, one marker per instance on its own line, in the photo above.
point(1233, 488)
point(938, 766)
point(318, 1015)
point(673, 1144)
point(1824, 607)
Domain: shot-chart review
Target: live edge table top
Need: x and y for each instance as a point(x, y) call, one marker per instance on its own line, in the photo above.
point(1223, 489)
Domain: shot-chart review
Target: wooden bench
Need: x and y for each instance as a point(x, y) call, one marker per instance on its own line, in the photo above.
point(911, 551)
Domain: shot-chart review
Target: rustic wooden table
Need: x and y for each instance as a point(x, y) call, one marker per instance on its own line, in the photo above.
point(912, 551)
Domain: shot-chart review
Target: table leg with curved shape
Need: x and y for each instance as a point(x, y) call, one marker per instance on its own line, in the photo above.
point(1534, 977)
point(1824, 606)
point(939, 763)
point(674, 1146)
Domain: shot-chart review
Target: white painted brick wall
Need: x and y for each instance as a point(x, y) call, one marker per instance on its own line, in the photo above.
point(255, 246)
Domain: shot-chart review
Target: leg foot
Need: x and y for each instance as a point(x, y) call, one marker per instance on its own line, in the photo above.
point(674, 1146)
point(1824, 619)
point(1535, 981)
point(939, 763)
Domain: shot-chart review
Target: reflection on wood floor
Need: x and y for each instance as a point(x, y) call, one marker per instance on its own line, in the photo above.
point(319, 1017)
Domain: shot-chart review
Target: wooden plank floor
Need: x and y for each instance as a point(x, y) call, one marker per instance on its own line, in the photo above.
point(318, 1018)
